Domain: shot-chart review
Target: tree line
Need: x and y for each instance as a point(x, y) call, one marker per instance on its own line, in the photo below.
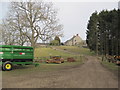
point(29, 23)
point(103, 32)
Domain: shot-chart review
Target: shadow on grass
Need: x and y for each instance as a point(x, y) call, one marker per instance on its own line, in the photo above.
point(21, 67)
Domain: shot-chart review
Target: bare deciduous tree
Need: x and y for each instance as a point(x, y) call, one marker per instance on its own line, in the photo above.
point(30, 21)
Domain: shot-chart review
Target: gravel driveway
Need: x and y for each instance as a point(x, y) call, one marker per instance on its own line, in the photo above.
point(89, 75)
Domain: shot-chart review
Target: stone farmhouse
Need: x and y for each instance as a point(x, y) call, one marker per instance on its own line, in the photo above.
point(74, 41)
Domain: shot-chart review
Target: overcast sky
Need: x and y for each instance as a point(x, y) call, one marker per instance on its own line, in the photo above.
point(73, 15)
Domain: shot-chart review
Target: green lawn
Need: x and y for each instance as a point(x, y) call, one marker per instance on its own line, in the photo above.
point(76, 49)
point(43, 67)
point(45, 53)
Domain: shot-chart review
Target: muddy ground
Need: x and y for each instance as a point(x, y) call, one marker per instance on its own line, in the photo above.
point(91, 74)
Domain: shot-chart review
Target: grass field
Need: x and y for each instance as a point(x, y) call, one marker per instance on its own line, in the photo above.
point(72, 51)
point(75, 49)
point(45, 53)
point(43, 67)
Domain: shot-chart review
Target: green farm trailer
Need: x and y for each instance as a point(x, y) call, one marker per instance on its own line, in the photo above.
point(15, 55)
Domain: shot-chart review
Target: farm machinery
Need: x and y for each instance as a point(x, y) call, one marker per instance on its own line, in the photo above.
point(55, 59)
point(117, 59)
point(15, 55)
point(114, 59)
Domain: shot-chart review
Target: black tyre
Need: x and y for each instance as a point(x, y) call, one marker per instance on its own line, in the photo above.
point(62, 61)
point(7, 66)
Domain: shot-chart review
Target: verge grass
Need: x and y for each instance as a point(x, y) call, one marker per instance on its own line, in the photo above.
point(110, 65)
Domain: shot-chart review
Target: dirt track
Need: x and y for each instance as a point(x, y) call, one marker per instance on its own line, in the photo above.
point(89, 75)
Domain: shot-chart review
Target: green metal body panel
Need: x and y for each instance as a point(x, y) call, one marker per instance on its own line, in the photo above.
point(12, 52)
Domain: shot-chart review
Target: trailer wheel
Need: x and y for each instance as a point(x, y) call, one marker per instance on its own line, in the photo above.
point(7, 66)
